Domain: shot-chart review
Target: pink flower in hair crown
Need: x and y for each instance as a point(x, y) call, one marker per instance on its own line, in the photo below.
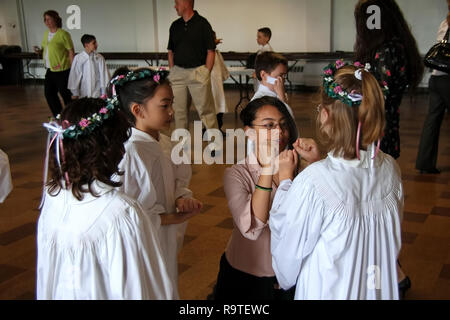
point(328, 72)
point(84, 123)
point(103, 110)
point(338, 89)
point(388, 72)
point(358, 64)
point(156, 78)
point(339, 64)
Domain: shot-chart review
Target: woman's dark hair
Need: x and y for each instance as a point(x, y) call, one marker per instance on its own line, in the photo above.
point(55, 16)
point(248, 115)
point(268, 61)
point(95, 156)
point(137, 91)
point(393, 26)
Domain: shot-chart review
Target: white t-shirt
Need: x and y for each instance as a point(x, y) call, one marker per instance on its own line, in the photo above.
point(49, 38)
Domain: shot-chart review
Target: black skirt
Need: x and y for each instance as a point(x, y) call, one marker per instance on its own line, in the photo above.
point(233, 284)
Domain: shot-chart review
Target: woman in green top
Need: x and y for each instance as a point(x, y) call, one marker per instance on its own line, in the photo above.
point(58, 53)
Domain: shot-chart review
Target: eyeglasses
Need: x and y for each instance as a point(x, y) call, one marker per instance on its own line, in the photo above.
point(273, 125)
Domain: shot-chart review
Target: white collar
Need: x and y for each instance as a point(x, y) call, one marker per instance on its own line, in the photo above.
point(365, 159)
point(266, 91)
point(138, 135)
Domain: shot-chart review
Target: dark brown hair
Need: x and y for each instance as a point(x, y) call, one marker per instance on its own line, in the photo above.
point(95, 156)
point(268, 61)
point(248, 115)
point(137, 91)
point(342, 122)
point(266, 31)
point(87, 38)
point(55, 16)
point(393, 26)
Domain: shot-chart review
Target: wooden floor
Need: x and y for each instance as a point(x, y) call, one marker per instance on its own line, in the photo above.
point(425, 254)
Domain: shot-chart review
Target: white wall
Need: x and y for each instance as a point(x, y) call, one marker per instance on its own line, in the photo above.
point(237, 22)
point(297, 25)
point(119, 26)
point(9, 22)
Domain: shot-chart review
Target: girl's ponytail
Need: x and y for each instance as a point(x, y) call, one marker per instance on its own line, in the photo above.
point(371, 111)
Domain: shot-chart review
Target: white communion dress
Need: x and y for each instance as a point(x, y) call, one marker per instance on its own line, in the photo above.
point(98, 248)
point(335, 229)
point(156, 182)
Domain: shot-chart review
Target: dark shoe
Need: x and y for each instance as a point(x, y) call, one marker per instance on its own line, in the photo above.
point(404, 286)
point(430, 171)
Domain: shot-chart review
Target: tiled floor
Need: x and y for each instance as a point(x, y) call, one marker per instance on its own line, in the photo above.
point(425, 254)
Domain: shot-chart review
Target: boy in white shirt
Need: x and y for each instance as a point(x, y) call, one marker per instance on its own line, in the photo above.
point(262, 38)
point(89, 75)
point(271, 69)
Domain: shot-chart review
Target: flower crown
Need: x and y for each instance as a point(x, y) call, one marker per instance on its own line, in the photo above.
point(86, 125)
point(335, 90)
point(157, 75)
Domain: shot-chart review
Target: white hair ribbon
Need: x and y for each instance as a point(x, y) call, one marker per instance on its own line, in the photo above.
point(56, 132)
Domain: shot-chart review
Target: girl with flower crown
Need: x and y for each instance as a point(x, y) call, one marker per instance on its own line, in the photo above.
point(151, 177)
point(93, 241)
point(335, 228)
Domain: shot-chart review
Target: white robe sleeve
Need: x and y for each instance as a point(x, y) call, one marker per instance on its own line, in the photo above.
point(295, 224)
point(5, 176)
point(183, 174)
point(136, 264)
point(76, 73)
point(138, 185)
point(104, 74)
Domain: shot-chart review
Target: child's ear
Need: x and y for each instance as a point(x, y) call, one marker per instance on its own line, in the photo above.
point(263, 74)
point(135, 109)
point(324, 115)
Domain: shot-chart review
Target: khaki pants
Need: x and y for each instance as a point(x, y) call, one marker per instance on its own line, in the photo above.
point(192, 84)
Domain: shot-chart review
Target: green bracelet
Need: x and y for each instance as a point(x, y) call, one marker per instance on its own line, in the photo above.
point(263, 189)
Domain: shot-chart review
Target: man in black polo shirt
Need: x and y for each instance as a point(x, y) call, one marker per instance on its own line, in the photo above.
point(191, 59)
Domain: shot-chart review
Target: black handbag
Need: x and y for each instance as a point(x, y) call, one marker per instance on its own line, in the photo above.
point(438, 57)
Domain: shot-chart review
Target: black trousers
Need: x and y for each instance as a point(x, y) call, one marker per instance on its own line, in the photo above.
point(57, 82)
point(233, 284)
point(439, 87)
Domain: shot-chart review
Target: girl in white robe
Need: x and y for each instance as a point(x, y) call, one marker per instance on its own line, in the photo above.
point(335, 229)
point(151, 177)
point(89, 75)
point(93, 241)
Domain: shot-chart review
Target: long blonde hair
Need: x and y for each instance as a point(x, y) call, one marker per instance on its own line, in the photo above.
point(342, 123)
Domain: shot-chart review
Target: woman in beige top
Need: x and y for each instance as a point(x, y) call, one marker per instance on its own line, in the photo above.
point(246, 266)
